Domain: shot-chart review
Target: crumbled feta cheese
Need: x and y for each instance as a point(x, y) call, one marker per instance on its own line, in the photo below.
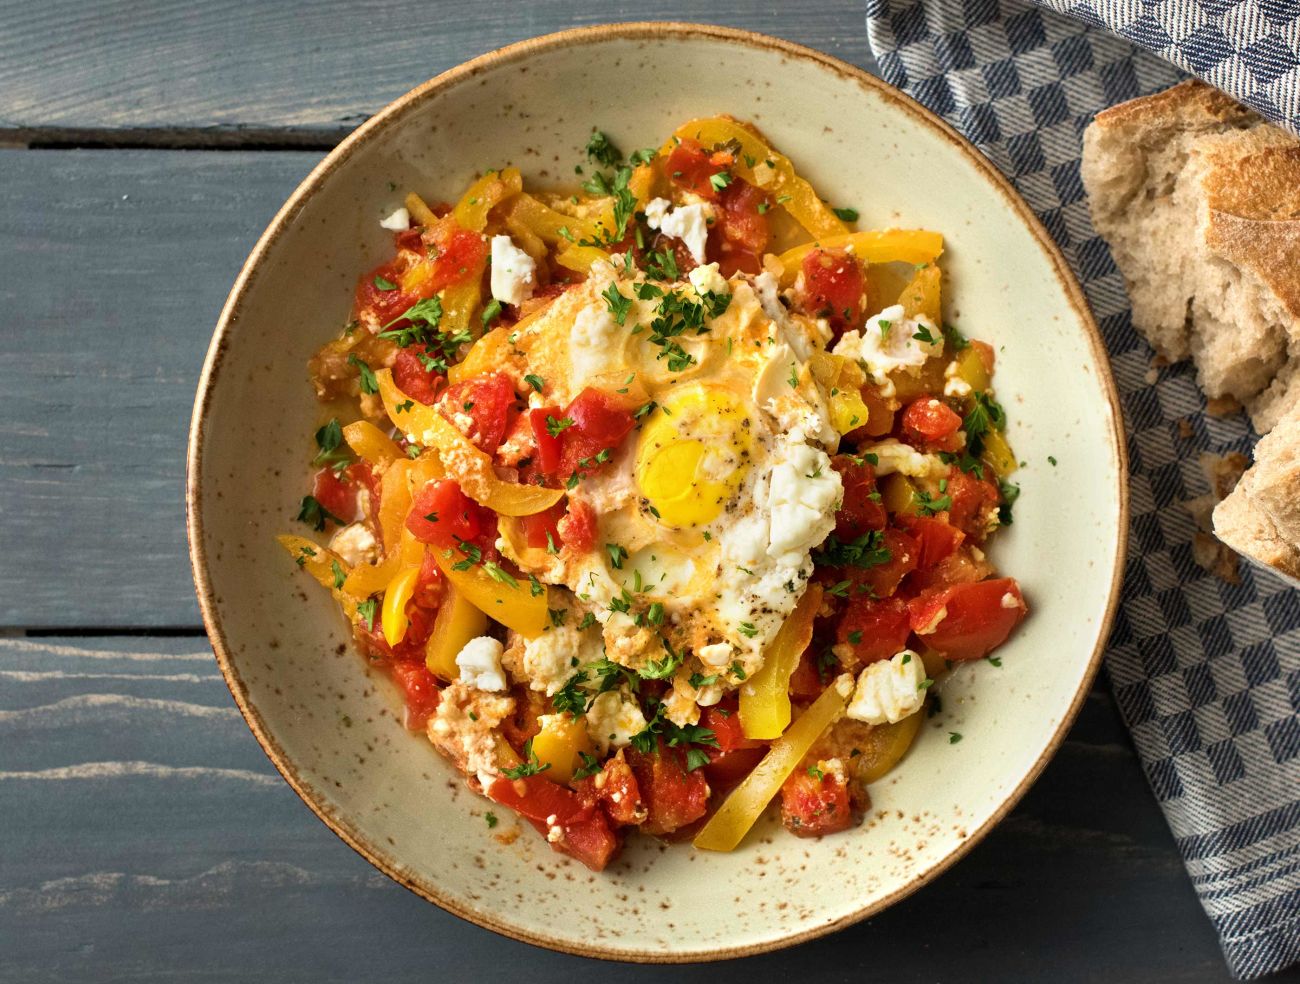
point(953, 384)
point(612, 719)
point(707, 280)
point(895, 456)
point(480, 664)
point(558, 653)
point(889, 690)
point(889, 343)
point(355, 544)
point(804, 494)
point(398, 221)
point(593, 343)
point(464, 729)
point(512, 272)
point(689, 223)
point(1010, 601)
point(715, 656)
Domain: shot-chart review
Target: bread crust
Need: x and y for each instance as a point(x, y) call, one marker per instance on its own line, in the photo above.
point(1190, 104)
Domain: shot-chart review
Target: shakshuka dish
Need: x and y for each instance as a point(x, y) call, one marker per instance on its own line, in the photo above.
point(663, 497)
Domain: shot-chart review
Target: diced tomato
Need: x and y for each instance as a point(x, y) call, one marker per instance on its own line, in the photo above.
point(692, 167)
point(736, 755)
point(488, 401)
point(742, 234)
point(460, 255)
point(813, 805)
point(429, 584)
point(361, 473)
point(549, 446)
point(336, 493)
point(968, 621)
point(577, 528)
point(584, 832)
point(881, 411)
point(420, 688)
point(442, 514)
point(930, 421)
point(875, 629)
point(937, 538)
point(881, 580)
point(379, 295)
point(860, 513)
point(522, 724)
point(614, 788)
point(413, 378)
point(959, 568)
point(600, 422)
point(972, 500)
point(541, 529)
point(835, 288)
point(673, 796)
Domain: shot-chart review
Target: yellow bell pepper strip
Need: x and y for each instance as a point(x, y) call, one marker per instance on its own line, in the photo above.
point(972, 370)
point(420, 212)
point(323, 564)
point(746, 803)
point(898, 494)
point(560, 744)
point(470, 467)
point(512, 603)
point(921, 296)
point(842, 379)
point(456, 623)
point(770, 171)
point(581, 258)
point(526, 239)
point(765, 696)
point(459, 302)
point(394, 504)
point(998, 454)
point(371, 444)
point(393, 618)
point(485, 194)
point(550, 226)
point(885, 746)
point(877, 246)
point(365, 580)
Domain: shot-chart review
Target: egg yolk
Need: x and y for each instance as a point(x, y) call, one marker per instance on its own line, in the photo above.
point(693, 454)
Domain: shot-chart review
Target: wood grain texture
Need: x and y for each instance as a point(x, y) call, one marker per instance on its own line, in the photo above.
point(147, 838)
point(283, 72)
point(116, 264)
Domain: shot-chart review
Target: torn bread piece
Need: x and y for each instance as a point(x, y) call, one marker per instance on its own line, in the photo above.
point(1260, 518)
point(1199, 200)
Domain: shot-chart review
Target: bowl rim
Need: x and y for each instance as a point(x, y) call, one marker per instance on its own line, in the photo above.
point(230, 313)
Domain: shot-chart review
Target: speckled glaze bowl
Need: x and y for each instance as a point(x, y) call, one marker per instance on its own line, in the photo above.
point(333, 729)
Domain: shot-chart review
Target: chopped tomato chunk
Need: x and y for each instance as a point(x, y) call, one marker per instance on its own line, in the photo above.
point(577, 528)
point(739, 238)
point(929, 421)
point(860, 512)
point(337, 493)
point(880, 580)
point(692, 167)
point(835, 288)
point(485, 403)
point(544, 421)
point(874, 629)
point(973, 499)
point(614, 788)
point(816, 803)
point(736, 755)
point(420, 688)
point(577, 829)
point(938, 539)
point(968, 621)
point(673, 796)
point(442, 514)
point(414, 378)
point(541, 530)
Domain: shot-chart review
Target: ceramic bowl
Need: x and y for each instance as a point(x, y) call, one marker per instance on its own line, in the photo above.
point(333, 729)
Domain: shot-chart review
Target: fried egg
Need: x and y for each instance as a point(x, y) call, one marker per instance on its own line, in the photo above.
point(708, 512)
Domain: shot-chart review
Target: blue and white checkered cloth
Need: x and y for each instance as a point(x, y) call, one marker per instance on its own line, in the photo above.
point(1207, 674)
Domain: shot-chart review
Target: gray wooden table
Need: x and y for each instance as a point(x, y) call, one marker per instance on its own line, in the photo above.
point(143, 146)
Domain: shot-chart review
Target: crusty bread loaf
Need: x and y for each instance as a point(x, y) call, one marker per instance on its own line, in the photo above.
point(1199, 200)
point(1261, 517)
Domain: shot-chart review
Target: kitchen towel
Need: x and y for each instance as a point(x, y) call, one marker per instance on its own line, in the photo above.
point(1206, 673)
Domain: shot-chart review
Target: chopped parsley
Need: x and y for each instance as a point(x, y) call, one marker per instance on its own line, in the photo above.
point(529, 767)
point(554, 427)
point(868, 550)
point(846, 214)
point(602, 150)
point(366, 612)
point(1010, 493)
point(535, 381)
point(985, 414)
point(954, 737)
point(590, 766)
point(328, 440)
point(491, 819)
point(618, 305)
point(424, 317)
point(955, 339)
point(384, 284)
point(369, 384)
point(816, 773)
point(491, 311)
point(720, 180)
point(315, 515)
point(617, 554)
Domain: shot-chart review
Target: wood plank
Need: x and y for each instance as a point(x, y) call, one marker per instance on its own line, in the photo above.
point(146, 833)
point(226, 73)
point(116, 265)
